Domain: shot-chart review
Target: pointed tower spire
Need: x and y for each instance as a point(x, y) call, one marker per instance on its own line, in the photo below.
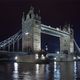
point(23, 17)
point(32, 8)
point(31, 12)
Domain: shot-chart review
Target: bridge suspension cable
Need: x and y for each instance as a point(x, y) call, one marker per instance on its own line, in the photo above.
point(76, 45)
point(11, 40)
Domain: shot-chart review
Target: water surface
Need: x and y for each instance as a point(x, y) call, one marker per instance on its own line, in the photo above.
point(28, 71)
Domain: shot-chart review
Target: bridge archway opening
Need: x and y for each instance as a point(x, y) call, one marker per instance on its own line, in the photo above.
point(49, 43)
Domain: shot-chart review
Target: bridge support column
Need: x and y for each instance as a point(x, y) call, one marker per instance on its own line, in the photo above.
point(31, 30)
point(67, 45)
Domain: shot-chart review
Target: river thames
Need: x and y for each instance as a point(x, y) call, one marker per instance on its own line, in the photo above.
point(30, 71)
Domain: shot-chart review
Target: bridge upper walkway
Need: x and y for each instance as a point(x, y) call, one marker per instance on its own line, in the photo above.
point(53, 31)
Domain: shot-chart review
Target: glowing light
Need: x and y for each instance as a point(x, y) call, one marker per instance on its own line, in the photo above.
point(36, 56)
point(57, 52)
point(15, 66)
point(37, 68)
point(15, 72)
point(46, 48)
point(16, 58)
point(75, 69)
point(55, 66)
point(71, 47)
point(75, 66)
point(42, 57)
point(26, 33)
point(49, 26)
point(54, 58)
point(78, 57)
point(74, 57)
point(57, 28)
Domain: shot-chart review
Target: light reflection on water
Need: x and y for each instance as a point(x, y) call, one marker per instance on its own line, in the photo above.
point(50, 71)
point(56, 71)
point(41, 72)
point(16, 67)
point(15, 72)
point(75, 72)
point(37, 68)
point(26, 71)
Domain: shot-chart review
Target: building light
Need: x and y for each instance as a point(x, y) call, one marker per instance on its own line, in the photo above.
point(49, 26)
point(54, 58)
point(36, 56)
point(42, 56)
point(57, 52)
point(26, 33)
point(16, 58)
point(78, 57)
point(74, 58)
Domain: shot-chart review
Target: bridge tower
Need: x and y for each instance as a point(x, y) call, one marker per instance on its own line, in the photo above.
point(31, 30)
point(66, 42)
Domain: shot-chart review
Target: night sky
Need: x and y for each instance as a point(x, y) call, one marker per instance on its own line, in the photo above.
point(52, 12)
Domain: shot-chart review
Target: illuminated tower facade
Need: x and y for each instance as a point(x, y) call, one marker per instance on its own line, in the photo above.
point(31, 30)
point(66, 42)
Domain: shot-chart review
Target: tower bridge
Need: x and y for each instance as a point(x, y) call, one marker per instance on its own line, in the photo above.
point(33, 26)
point(29, 37)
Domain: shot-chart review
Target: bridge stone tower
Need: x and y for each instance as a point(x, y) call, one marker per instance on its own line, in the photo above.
point(66, 42)
point(31, 29)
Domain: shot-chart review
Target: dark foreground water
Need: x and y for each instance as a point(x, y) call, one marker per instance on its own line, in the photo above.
point(28, 71)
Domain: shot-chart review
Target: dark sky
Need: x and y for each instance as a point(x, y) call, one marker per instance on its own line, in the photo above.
point(53, 12)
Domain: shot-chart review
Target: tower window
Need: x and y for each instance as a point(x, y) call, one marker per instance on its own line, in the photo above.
point(30, 15)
